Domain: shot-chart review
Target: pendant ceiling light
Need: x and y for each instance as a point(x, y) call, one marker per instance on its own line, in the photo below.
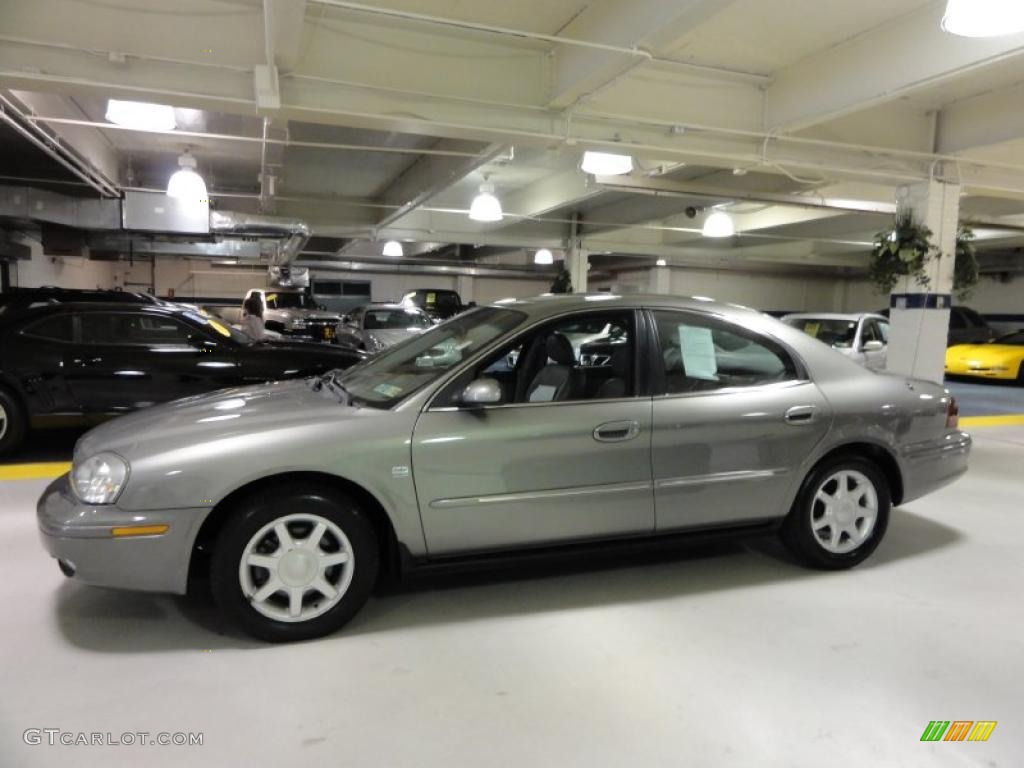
point(543, 256)
point(485, 205)
point(661, 263)
point(393, 248)
point(606, 164)
point(983, 18)
point(141, 115)
point(718, 224)
point(185, 183)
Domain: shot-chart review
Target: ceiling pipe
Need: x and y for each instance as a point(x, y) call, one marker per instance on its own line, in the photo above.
point(295, 231)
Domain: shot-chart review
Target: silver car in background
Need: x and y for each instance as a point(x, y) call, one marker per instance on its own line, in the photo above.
point(374, 327)
point(862, 337)
point(297, 497)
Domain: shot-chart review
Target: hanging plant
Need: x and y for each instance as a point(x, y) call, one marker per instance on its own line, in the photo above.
point(902, 251)
point(965, 264)
point(562, 282)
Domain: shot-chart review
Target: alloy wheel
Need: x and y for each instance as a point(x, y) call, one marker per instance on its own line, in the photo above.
point(844, 511)
point(3, 421)
point(296, 567)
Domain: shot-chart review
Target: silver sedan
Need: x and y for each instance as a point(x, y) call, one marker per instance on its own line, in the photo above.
point(376, 326)
point(297, 497)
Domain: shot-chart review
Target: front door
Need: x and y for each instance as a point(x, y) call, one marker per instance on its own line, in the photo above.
point(734, 420)
point(565, 456)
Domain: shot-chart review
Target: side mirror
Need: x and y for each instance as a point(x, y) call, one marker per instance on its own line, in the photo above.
point(481, 392)
point(873, 346)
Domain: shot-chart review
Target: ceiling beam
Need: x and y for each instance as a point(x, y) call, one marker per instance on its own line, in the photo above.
point(883, 64)
point(645, 26)
point(981, 121)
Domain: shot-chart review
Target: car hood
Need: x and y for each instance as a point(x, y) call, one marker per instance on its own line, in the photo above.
point(388, 336)
point(252, 411)
point(305, 314)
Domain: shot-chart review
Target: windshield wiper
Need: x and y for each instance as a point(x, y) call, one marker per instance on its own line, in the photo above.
point(334, 386)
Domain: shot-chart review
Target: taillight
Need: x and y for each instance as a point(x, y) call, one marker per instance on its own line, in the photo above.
point(952, 414)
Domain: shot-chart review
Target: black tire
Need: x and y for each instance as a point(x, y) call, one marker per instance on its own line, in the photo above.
point(798, 532)
point(13, 422)
point(294, 501)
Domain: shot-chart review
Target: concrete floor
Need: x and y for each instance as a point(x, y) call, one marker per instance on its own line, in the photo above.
point(728, 656)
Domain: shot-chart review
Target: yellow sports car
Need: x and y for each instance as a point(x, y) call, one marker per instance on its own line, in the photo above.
point(1001, 358)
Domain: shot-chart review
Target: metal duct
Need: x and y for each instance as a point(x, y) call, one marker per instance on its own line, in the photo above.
point(453, 269)
point(30, 204)
point(296, 231)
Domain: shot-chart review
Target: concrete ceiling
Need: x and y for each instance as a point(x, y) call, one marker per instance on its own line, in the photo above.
point(381, 120)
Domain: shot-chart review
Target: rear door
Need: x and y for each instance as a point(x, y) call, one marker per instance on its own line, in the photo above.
point(734, 417)
point(34, 357)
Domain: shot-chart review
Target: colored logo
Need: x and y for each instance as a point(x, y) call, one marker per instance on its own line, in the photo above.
point(958, 730)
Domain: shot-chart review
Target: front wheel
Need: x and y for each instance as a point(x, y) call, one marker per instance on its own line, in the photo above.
point(840, 514)
point(294, 564)
point(13, 422)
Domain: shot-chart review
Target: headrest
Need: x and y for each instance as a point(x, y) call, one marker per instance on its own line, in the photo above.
point(559, 349)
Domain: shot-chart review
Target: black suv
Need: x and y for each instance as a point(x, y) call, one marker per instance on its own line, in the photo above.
point(15, 300)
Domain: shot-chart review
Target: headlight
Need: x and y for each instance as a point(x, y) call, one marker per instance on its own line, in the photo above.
point(100, 478)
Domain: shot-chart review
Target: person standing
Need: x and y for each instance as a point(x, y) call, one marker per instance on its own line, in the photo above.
point(252, 318)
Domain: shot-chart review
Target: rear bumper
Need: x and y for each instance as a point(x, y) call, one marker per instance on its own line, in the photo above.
point(79, 536)
point(934, 463)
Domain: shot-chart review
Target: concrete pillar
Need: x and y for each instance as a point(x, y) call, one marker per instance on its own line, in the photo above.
point(919, 316)
point(578, 263)
point(660, 280)
point(464, 287)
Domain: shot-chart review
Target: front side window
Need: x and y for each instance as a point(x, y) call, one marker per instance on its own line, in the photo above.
point(582, 357)
point(289, 300)
point(701, 353)
point(398, 372)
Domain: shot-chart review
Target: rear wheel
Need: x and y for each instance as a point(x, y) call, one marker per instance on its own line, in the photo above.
point(295, 563)
point(840, 514)
point(13, 422)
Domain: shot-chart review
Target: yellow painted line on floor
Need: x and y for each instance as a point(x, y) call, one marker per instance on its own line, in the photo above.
point(1003, 420)
point(38, 471)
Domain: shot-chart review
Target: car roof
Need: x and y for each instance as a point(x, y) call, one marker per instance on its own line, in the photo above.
point(390, 305)
point(552, 303)
point(829, 315)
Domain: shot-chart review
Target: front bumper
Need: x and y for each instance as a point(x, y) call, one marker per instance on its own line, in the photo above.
point(79, 536)
point(934, 463)
point(1000, 372)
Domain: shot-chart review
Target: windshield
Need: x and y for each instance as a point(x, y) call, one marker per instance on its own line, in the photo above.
point(288, 301)
point(1013, 339)
point(394, 318)
point(218, 327)
point(398, 372)
point(836, 332)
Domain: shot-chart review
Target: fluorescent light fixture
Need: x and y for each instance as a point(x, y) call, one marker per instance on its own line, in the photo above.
point(718, 224)
point(543, 256)
point(141, 115)
point(661, 263)
point(185, 184)
point(983, 18)
point(606, 164)
point(485, 205)
point(393, 248)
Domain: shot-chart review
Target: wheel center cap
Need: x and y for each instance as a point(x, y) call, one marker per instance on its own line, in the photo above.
point(845, 512)
point(297, 568)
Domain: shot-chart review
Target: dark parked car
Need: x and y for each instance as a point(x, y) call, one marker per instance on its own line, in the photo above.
point(15, 300)
point(439, 304)
point(100, 359)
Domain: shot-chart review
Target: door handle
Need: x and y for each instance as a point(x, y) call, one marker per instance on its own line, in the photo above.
point(802, 414)
point(616, 431)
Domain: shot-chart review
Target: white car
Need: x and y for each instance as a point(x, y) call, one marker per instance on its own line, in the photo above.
point(862, 337)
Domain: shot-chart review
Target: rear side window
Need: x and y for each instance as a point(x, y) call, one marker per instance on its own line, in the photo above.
point(125, 328)
point(700, 353)
point(53, 328)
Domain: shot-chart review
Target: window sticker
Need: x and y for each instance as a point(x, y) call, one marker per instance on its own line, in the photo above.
point(219, 328)
point(431, 298)
point(698, 350)
point(388, 390)
point(811, 329)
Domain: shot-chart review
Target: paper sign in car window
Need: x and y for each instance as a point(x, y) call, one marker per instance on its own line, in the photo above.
point(388, 390)
point(698, 350)
point(811, 329)
point(431, 298)
point(219, 328)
